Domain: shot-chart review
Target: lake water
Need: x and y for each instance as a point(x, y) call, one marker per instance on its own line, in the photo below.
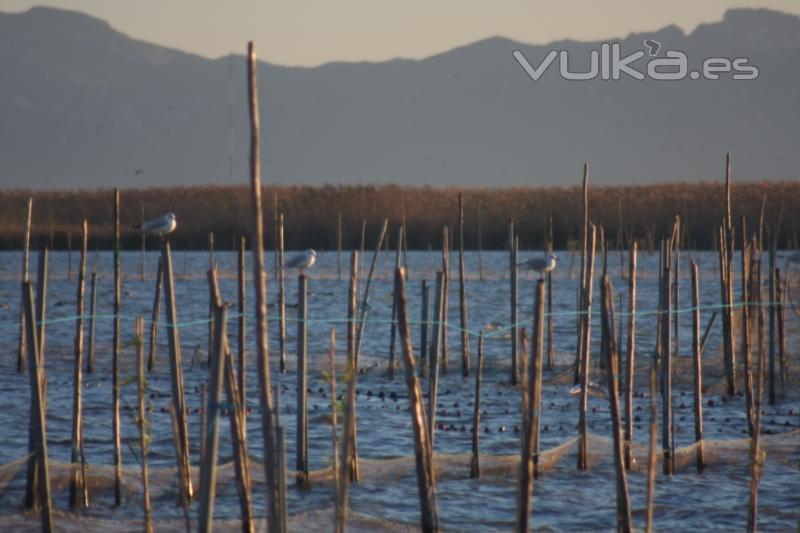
point(564, 499)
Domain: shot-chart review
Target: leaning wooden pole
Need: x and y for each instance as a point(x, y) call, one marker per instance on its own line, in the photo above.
point(698, 366)
point(630, 366)
point(423, 452)
point(242, 332)
point(151, 359)
point(528, 465)
point(176, 377)
point(462, 291)
point(581, 296)
point(36, 375)
point(583, 362)
point(115, 386)
point(445, 296)
point(259, 277)
point(77, 482)
point(281, 298)
point(362, 319)
point(433, 356)
point(208, 466)
point(612, 366)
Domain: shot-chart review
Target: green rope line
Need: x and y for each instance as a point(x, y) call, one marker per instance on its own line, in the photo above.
point(448, 324)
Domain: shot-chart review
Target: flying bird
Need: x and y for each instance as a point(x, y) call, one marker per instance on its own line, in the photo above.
point(540, 264)
point(160, 226)
point(302, 261)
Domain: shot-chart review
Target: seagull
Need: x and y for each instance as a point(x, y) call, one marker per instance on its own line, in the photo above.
point(302, 261)
point(541, 264)
point(160, 226)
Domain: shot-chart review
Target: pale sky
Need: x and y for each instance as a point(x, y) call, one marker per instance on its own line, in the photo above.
point(311, 32)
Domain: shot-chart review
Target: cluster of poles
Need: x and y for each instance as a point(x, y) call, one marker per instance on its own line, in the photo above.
point(228, 377)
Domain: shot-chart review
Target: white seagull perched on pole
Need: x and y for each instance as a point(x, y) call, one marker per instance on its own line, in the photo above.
point(541, 264)
point(302, 261)
point(160, 226)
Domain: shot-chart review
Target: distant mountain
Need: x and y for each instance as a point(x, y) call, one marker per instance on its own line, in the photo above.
point(82, 105)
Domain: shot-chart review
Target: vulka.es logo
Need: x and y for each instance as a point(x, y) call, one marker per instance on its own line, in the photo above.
point(608, 63)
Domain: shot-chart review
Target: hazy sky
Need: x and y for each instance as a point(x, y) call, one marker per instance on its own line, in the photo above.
point(310, 32)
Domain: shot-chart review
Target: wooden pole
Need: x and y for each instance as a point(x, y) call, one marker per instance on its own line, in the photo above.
point(36, 375)
point(351, 378)
point(480, 242)
point(651, 454)
point(208, 465)
point(423, 342)
point(393, 331)
point(339, 243)
point(445, 296)
point(32, 492)
point(583, 363)
point(527, 467)
point(513, 279)
point(666, 372)
point(362, 244)
point(334, 422)
point(259, 275)
point(475, 463)
point(281, 298)
point(698, 367)
point(280, 463)
point(423, 449)
point(115, 422)
point(462, 293)
point(141, 424)
point(302, 384)
point(77, 482)
point(26, 254)
point(772, 319)
point(550, 354)
point(210, 299)
point(93, 315)
point(365, 300)
point(433, 357)
point(630, 367)
point(612, 366)
point(42, 277)
point(781, 319)
point(151, 360)
point(176, 377)
point(242, 334)
point(581, 297)
point(746, 328)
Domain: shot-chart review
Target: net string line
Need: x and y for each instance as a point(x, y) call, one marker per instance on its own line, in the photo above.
point(496, 332)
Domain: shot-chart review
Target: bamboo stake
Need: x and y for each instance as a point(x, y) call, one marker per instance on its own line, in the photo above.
point(550, 354)
point(182, 493)
point(203, 419)
point(26, 245)
point(210, 300)
point(475, 464)
point(462, 293)
point(433, 374)
point(612, 364)
point(277, 260)
point(339, 243)
point(393, 332)
point(746, 327)
point(666, 373)
point(365, 300)
point(758, 457)
point(242, 334)
point(77, 488)
point(281, 298)
point(302, 384)
point(176, 377)
point(698, 367)
point(37, 377)
point(151, 360)
point(772, 318)
point(334, 422)
point(280, 466)
point(405, 234)
point(527, 468)
point(141, 424)
point(351, 378)
point(42, 277)
point(259, 275)
point(676, 248)
point(361, 248)
point(445, 296)
point(93, 315)
point(513, 278)
point(423, 342)
point(423, 448)
point(631, 353)
point(208, 465)
point(781, 319)
point(651, 454)
point(115, 422)
point(350, 459)
point(480, 243)
point(583, 363)
point(581, 296)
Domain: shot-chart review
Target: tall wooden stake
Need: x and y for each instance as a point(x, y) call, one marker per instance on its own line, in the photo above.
point(115, 422)
point(141, 424)
point(77, 482)
point(630, 367)
point(462, 293)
